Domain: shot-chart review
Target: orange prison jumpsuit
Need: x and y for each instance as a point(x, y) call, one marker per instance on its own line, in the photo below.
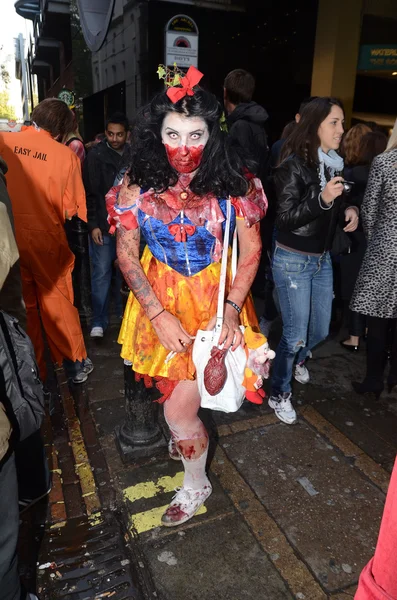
point(45, 185)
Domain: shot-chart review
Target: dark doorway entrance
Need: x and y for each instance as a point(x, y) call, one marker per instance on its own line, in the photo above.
point(98, 107)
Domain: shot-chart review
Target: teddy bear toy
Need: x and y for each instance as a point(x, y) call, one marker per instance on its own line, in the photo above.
point(259, 357)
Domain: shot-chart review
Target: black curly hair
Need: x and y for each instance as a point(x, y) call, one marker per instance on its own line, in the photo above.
point(223, 166)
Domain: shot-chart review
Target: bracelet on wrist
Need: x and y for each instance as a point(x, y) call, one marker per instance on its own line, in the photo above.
point(158, 314)
point(235, 306)
point(324, 205)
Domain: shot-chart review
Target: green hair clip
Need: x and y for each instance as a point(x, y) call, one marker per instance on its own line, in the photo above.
point(222, 123)
point(171, 75)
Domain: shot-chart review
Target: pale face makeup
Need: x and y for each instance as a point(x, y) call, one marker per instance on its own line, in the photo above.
point(179, 130)
point(331, 129)
point(184, 139)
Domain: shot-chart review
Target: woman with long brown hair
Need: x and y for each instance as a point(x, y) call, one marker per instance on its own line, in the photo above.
point(351, 144)
point(309, 187)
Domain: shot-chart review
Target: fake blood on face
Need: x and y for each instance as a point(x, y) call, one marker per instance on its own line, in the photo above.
point(185, 159)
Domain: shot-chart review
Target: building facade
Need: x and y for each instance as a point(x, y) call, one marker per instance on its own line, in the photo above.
point(21, 73)
point(294, 49)
point(50, 47)
point(124, 68)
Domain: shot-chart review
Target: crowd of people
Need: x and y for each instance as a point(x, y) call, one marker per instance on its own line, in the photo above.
point(172, 181)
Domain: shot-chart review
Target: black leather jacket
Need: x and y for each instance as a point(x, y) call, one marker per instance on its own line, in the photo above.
point(302, 221)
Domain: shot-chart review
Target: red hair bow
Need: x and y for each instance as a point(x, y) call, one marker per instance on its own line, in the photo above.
point(192, 78)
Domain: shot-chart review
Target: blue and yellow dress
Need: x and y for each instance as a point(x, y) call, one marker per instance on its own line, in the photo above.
point(182, 263)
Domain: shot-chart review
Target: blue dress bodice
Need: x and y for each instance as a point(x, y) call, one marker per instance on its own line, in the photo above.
point(186, 257)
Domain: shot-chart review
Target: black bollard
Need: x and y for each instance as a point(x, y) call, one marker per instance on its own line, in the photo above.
point(77, 234)
point(140, 436)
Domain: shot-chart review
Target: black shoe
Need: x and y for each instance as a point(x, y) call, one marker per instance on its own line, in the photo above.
point(391, 383)
point(368, 387)
point(349, 347)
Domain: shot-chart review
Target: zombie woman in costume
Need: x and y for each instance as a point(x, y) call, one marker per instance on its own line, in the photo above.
point(174, 195)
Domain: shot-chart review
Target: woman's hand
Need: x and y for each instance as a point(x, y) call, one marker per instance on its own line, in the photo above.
point(332, 190)
point(171, 333)
point(351, 215)
point(231, 334)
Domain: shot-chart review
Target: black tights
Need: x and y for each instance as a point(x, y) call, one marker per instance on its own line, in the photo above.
point(381, 339)
point(357, 323)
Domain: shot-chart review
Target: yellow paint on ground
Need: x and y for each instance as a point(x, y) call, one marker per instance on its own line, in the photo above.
point(148, 489)
point(82, 462)
point(145, 521)
point(149, 519)
point(58, 525)
point(95, 518)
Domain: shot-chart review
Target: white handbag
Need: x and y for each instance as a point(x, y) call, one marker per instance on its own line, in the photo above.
point(231, 396)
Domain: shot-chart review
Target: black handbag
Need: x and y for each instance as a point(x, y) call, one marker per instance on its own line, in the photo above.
point(341, 243)
point(23, 390)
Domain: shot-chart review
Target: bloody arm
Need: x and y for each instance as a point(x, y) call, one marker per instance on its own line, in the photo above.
point(250, 252)
point(250, 247)
point(167, 327)
point(130, 266)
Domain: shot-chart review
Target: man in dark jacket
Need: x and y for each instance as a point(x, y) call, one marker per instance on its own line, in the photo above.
point(101, 167)
point(246, 119)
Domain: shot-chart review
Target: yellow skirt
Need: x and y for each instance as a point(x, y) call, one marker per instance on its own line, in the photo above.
point(193, 300)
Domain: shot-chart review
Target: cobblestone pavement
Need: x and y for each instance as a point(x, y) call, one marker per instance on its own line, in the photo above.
point(294, 513)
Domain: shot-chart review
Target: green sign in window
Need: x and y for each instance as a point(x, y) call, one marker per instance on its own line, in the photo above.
point(376, 57)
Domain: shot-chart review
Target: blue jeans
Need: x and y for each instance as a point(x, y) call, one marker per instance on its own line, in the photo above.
point(305, 291)
point(102, 264)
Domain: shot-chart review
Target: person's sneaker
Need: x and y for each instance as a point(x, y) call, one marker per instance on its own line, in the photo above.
point(26, 503)
point(96, 332)
point(301, 373)
point(185, 504)
point(283, 408)
point(173, 450)
point(88, 366)
point(31, 596)
point(82, 376)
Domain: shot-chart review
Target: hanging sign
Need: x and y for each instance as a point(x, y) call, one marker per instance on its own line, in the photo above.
point(181, 42)
point(378, 57)
point(68, 97)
